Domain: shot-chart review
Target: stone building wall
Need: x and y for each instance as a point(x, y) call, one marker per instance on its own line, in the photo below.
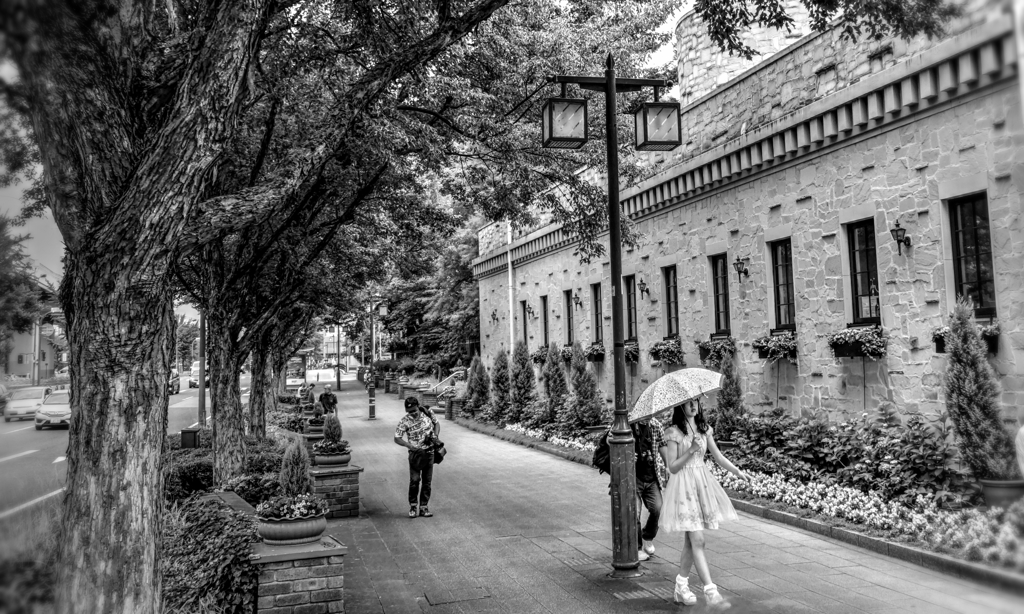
point(903, 170)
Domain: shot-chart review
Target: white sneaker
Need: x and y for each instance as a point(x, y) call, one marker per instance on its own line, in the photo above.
point(683, 594)
point(713, 597)
point(643, 556)
point(649, 547)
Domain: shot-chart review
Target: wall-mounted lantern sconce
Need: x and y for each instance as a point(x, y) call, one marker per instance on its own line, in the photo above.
point(529, 310)
point(643, 288)
point(576, 299)
point(899, 235)
point(494, 316)
point(741, 269)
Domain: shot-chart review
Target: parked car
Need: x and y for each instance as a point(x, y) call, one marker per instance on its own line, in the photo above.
point(55, 410)
point(174, 383)
point(193, 380)
point(61, 371)
point(3, 398)
point(24, 402)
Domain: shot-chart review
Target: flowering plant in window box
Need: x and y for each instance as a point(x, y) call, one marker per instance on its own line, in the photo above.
point(291, 508)
point(989, 334)
point(669, 351)
point(632, 351)
point(567, 352)
point(539, 356)
point(776, 346)
point(715, 349)
point(867, 341)
point(595, 353)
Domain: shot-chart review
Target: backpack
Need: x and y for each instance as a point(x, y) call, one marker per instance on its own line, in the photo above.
point(603, 455)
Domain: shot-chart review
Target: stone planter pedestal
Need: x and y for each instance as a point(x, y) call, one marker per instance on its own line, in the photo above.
point(302, 578)
point(339, 486)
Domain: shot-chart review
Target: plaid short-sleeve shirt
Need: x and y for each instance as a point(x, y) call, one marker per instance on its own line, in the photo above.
point(415, 427)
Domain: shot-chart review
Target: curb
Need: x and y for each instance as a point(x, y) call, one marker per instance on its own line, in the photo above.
point(583, 458)
point(948, 565)
point(957, 568)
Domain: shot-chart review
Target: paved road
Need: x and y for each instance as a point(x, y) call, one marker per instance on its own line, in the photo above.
point(33, 465)
point(519, 531)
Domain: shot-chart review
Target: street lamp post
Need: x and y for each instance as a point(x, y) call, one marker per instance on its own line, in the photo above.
point(565, 127)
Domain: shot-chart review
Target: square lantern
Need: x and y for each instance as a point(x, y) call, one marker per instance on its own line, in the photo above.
point(658, 126)
point(564, 123)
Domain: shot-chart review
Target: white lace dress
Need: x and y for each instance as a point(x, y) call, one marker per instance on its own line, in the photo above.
point(693, 499)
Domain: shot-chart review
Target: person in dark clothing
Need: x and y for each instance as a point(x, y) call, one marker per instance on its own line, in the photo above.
point(417, 431)
point(328, 401)
point(649, 438)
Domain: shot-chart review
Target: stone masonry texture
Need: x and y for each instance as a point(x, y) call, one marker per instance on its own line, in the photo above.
point(306, 586)
point(894, 173)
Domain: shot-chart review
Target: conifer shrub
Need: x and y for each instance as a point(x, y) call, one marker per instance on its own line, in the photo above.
point(727, 414)
point(501, 388)
point(479, 389)
point(524, 383)
point(294, 476)
point(583, 407)
point(972, 400)
point(555, 384)
point(332, 428)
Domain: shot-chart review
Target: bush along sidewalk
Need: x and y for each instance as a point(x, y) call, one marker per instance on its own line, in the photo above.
point(572, 450)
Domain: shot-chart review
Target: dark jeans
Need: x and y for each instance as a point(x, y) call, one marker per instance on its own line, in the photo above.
point(650, 494)
point(421, 472)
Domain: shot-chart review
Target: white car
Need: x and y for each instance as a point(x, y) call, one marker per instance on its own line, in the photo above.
point(24, 402)
point(55, 410)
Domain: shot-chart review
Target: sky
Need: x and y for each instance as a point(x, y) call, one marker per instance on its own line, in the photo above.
point(46, 248)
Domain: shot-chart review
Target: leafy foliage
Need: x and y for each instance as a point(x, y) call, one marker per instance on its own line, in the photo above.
point(255, 488)
point(332, 428)
point(19, 292)
point(715, 351)
point(206, 548)
point(584, 406)
point(524, 383)
point(972, 399)
point(777, 346)
point(478, 392)
point(294, 475)
point(631, 351)
point(292, 507)
point(501, 388)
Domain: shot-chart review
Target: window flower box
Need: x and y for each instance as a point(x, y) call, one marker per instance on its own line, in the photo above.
point(715, 349)
point(989, 334)
point(775, 346)
point(567, 352)
point(539, 356)
point(595, 353)
point(867, 341)
point(632, 352)
point(668, 351)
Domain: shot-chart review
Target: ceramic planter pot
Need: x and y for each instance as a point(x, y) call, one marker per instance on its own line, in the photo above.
point(289, 532)
point(1002, 493)
point(332, 460)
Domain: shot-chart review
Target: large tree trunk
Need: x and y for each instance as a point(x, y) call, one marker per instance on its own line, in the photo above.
point(263, 393)
point(121, 344)
point(229, 422)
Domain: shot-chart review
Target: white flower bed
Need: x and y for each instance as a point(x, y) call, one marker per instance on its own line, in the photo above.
point(575, 444)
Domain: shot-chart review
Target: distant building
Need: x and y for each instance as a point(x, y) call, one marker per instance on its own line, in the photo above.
point(799, 165)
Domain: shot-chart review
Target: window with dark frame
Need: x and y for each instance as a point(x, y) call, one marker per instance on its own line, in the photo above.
point(544, 315)
point(630, 283)
point(720, 284)
point(595, 293)
point(568, 316)
point(863, 272)
point(671, 301)
point(972, 253)
point(522, 310)
point(782, 264)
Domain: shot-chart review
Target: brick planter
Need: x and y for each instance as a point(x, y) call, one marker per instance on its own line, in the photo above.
point(428, 399)
point(304, 579)
point(339, 486)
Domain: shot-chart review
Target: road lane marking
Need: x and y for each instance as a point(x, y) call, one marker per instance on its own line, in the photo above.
point(60, 459)
point(24, 428)
point(13, 456)
point(15, 510)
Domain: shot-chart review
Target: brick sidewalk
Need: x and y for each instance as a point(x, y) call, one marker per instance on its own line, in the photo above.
point(520, 531)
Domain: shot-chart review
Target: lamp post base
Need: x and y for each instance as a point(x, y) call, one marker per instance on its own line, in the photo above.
point(630, 572)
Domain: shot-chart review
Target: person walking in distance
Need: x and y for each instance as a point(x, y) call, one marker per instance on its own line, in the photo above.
point(417, 431)
point(328, 400)
point(694, 500)
point(649, 436)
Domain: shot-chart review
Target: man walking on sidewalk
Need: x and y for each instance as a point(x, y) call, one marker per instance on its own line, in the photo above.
point(649, 436)
point(328, 400)
point(419, 429)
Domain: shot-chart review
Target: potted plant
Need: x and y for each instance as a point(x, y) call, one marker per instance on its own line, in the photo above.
point(316, 423)
point(296, 516)
point(567, 352)
point(715, 349)
point(595, 353)
point(332, 450)
point(990, 335)
point(539, 356)
point(632, 351)
point(972, 399)
point(867, 341)
point(776, 345)
point(668, 351)
point(939, 339)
